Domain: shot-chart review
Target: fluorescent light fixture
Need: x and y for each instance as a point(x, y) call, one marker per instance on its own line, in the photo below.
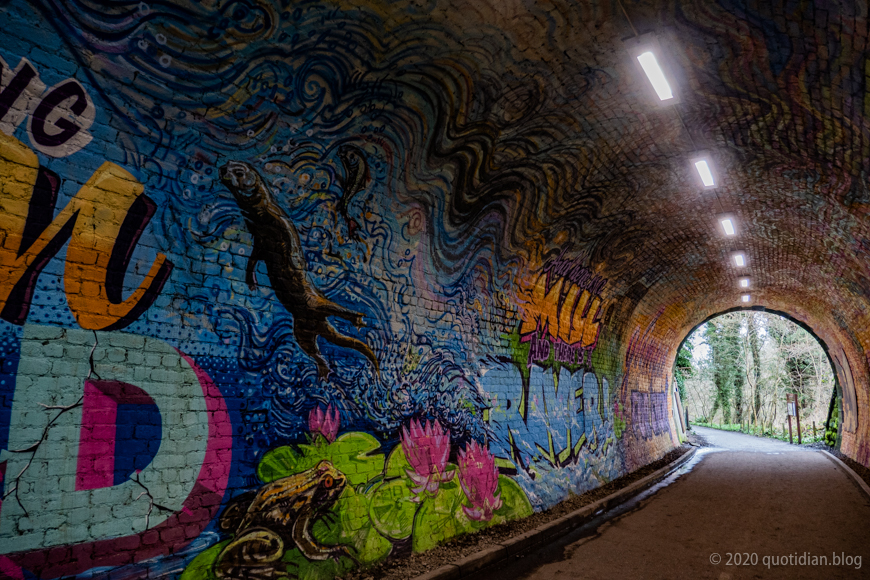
point(652, 61)
point(728, 226)
point(745, 298)
point(744, 282)
point(739, 259)
point(705, 173)
point(655, 75)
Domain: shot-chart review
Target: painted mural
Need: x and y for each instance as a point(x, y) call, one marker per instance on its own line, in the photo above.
point(288, 288)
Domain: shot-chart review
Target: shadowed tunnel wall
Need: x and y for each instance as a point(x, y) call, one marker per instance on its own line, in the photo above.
point(408, 270)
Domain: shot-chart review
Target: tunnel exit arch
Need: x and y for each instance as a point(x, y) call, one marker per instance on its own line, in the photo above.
point(836, 365)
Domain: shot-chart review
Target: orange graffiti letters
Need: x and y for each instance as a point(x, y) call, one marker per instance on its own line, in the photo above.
point(103, 223)
point(563, 310)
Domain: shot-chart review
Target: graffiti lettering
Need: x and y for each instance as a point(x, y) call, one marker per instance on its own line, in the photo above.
point(659, 409)
point(15, 84)
point(539, 349)
point(103, 223)
point(644, 354)
point(59, 121)
point(575, 271)
point(569, 354)
point(80, 432)
point(649, 414)
point(645, 360)
point(640, 414)
point(562, 311)
point(562, 319)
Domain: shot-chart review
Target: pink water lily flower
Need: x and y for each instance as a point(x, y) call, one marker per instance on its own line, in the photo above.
point(478, 476)
point(325, 423)
point(427, 450)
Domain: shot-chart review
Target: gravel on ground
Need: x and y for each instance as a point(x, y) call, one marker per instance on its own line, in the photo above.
point(697, 440)
point(402, 566)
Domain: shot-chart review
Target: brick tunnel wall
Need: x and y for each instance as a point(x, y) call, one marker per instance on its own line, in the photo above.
point(391, 262)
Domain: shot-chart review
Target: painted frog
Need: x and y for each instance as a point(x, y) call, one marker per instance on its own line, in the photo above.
point(276, 518)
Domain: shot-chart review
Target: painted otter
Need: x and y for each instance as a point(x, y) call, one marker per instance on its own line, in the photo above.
point(277, 244)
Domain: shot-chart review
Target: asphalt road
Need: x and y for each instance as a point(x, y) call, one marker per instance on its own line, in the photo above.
point(747, 498)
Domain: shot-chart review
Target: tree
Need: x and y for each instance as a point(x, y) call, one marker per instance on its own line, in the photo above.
point(804, 368)
point(752, 362)
point(722, 335)
point(752, 358)
point(683, 368)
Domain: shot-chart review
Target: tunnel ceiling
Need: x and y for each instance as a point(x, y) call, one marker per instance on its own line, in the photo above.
point(774, 91)
point(775, 94)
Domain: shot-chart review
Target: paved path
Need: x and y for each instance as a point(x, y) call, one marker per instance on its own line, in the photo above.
point(734, 441)
point(748, 495)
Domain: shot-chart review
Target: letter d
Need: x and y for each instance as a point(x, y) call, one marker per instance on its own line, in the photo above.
point(86, 495)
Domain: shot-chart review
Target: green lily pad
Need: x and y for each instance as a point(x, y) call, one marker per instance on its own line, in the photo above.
point(352, 454)
point(515, 502)
point(202, 567)
point(298, 566)
point(439, 519)
point(397, 463)
point(442, 517)
point(392, 509)
point(281, 462)
point(348, 524)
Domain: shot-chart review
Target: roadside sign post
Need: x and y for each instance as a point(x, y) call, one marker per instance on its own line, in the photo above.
point(797, 415)
point(791, 411)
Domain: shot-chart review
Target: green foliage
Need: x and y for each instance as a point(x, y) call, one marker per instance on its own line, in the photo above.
point(442, 517)
point(352, 454)
point(833, 425)
point(377, 509)
point(683, 367)
point(755, 360)
point(722, 335)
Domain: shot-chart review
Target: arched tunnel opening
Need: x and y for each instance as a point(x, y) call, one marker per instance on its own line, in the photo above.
point(414, 272)
point(760, 372)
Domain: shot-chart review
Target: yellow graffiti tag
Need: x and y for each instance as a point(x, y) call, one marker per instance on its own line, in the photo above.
point(92, 220)
point(572, 316)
